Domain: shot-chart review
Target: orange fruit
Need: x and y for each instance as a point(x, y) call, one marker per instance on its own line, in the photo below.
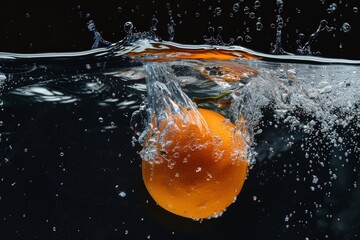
point(193, 165)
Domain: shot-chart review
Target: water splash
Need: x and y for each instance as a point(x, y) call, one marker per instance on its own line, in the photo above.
point(215, 40)
point(171, 29)
point(98, 39)
point(165, 103)
point(132, 36)
point(277, 48)
point(306, 49)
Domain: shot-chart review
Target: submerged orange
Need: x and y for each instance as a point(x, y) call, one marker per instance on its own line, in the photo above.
point(198, 167)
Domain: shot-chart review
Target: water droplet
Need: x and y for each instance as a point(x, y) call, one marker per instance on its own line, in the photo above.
point(154, 21)
point(332, 8)
point(122, 194)
point(91, 26)
point(218, 11)
point(257, 4)
point(119, 9)
point(323, 24)
point(239, 39)
point(198, 169)
point(211, 30)
point(355, 9)
point(259, 26)
point(101, 119)
point(61, 154)
point(346, 27)
point(128, 27)
point(247, 38)
point(252, 15)
point(27, 15)
point(246, 10)
point(236, 7)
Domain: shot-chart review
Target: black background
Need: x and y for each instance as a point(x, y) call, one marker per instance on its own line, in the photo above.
point(58, 26)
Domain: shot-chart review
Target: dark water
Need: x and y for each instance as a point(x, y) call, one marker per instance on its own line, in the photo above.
point(70, 168)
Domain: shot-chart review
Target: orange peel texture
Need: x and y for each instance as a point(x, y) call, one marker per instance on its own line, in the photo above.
point(199, 165)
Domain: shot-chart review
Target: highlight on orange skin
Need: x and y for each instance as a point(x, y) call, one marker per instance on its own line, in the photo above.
point(200, 170)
